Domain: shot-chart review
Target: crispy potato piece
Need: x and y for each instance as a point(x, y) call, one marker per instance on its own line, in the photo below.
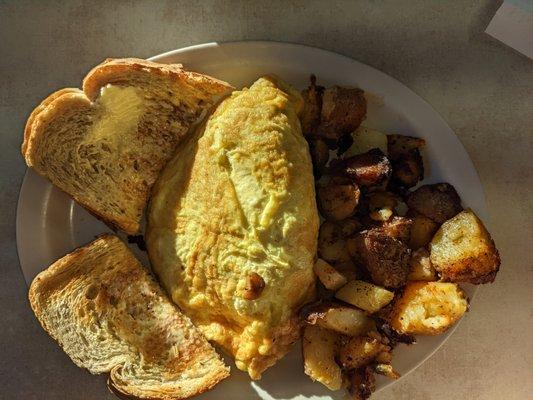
point(347, 269)
point(343, 110)
point(428, 308)
point(319, 351)
point(350, 226)
point(396, 227)
point(310, 117)
point(386, 370)
point(408, 169)
point(399, 145)
point(342, 319)
point(421, 268)
point(365, 139)
point(422, 230)
point(381, 205)
point(368, 169)
point(392, 335)
point(331, 243)
point(385, 258)
point(439, 201)
point(382, 200)
point(319, 155)
point(361, 350)
point(338, 200)
point(361, 383)
point(463, 251)
point(329, 276)
point(381, 215)
point(364, 295)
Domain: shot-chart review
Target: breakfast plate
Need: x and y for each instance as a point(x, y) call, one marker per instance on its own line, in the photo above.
point(50, 223)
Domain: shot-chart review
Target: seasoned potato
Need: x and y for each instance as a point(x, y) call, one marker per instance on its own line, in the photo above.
point(385, 258)
point(399, 145)
point(319, 350)
point(368, 169)
point(329, 276)
point(361, 350)
point(361, 383)
point(381, 205)
point(350, 226)
point(463, 251)
point(422, 231)
point(421, 268)
point(348, 269)
point(428, 308)
point(364, 295)
point(338, 200)
point(386, 370)
point(439, 201)
point(343, 110)
point(396, 227)
point(346, 320)
point(365, 139)
point(382, 200)
point(319, 155)
point(331, 243)
point(408, 169)
point(310, 117)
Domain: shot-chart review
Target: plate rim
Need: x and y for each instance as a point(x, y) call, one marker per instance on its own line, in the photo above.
point(376, 72)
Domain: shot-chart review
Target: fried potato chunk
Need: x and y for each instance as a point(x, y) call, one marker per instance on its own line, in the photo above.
point(421, 268)
point(397, 228)
point(329, 276)
point(338, 201)
point(343, 110)
point(428, 308)
point(310, 117)
point(331, 243)
point(399, 145)
point(439, 201)
point(348, 269)
point(463, 251)
point(381, 205)
point(365, 295)
point(365, 139)
point(342, 319)
point(422, 231)
point(319, 155)
point(319, 351)
point(408, 169)
point(368, 169)
point(385, 258)
point(361, 383)
point(362, 350)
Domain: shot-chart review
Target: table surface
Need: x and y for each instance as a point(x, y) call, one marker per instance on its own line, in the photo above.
point(483, 89)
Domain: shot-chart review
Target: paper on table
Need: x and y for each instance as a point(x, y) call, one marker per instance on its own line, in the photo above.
point(513, 25)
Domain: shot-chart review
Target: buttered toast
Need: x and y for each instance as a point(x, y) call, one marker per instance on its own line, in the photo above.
point(110, 316)
point(105, 145)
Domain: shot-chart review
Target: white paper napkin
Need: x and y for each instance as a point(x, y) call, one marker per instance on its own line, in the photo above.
point(513, 25)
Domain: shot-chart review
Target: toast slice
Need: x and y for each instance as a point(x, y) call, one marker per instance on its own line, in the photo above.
point(105, 145)
point(110, 316)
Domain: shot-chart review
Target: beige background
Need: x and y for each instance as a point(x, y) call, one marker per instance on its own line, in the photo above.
point(483, 89)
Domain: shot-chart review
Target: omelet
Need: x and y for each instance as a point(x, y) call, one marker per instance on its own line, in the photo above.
point(233, 225)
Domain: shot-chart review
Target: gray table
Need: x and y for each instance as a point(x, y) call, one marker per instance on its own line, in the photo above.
point(483, 89)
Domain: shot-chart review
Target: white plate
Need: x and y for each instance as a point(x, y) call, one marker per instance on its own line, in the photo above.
point(50, 224)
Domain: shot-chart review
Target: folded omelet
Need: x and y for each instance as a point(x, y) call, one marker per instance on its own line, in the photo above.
point(232, 226)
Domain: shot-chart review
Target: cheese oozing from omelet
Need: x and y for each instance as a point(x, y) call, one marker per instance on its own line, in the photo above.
point(232, 226)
